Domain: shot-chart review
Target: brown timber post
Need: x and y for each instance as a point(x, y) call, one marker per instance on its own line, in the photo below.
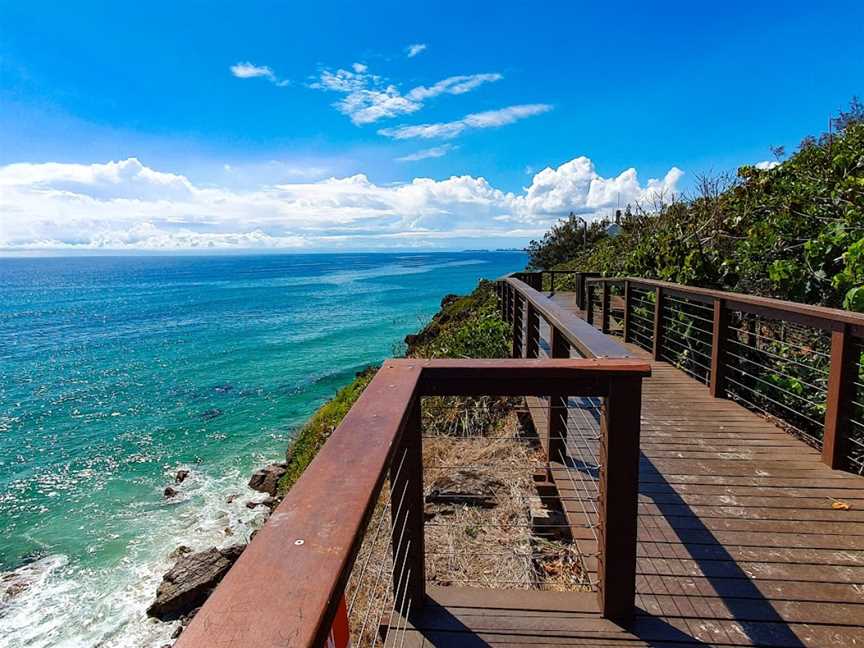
point(580, 288)
point(517, 324)
point(627, 307)
point(719, 336)
point(840, 386)
point(658, 323)
point(556, 429)
point(589, 303)
point(505, 313)
point(532, 334)
point(552, 283)
point(604, 321)
point(619, 487)
point(407, 512)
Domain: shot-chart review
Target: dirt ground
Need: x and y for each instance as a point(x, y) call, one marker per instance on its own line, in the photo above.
point(486, 525)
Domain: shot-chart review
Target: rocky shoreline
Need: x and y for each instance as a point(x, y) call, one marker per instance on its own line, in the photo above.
point(195, 574)
point(459, 329)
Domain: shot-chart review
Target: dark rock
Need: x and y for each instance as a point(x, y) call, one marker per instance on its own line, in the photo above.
point(25, 576)
point(182, 550)
point(169, 492)
point(181, 476)
point(210, 414)
point(233, 552)
point(231, 498)
point(189, 582)
point(11, 586)
point(269, 502)
point(466, 487)
point(186, 619)
point(449, 299)
point(266, 479)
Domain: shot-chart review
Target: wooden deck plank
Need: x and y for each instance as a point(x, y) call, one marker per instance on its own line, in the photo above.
point(738, 544)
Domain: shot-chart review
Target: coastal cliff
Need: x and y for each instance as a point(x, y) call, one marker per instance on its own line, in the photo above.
point(464, 326)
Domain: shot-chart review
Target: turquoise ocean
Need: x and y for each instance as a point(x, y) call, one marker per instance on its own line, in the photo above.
point(115, 372)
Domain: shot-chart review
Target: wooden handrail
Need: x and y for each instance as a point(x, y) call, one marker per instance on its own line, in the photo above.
point(286, 587)
point(589, 342)
point(843, 326)
point(821, 317)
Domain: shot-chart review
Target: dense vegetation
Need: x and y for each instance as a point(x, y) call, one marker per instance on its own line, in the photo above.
point(465, 327)
point(564, 241)
point(794, 232)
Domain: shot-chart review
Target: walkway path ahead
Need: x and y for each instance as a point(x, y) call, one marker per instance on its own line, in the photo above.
point(738, 542)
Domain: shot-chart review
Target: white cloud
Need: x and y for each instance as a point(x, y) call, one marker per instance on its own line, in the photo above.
point(425, 154)
point(413, 50)
point(369, 97)
point(767, 165)
point(576, 186)
point(454, 85)
point(250, 71)
point(127, 205)
point(449, 130)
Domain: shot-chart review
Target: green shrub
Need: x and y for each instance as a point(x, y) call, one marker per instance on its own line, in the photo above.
point(318, 429)
point(794, 232)
point(465, 327)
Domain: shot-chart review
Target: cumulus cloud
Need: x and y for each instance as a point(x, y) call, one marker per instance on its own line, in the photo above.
point(425, 154)
point(449, 130)
point(576, 186)
point(248, 70)
point(413, 50)
point(369, 97)
point(128, 205)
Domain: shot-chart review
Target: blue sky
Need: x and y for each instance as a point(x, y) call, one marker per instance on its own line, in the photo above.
point(276, 107)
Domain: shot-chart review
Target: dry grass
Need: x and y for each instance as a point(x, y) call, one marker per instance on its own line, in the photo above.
point(481, 513)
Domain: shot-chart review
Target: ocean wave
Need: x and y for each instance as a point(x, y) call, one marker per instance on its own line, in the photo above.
point(59, 601)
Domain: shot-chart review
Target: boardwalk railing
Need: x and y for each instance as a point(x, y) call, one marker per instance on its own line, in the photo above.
point(313, 564)
point(557, 280)
point(800, 364)
point(540, 328)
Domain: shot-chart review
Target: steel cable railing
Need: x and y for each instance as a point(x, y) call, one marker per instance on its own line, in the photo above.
point(800, 365)
point(781, 370)
point(640, 317)
point(687, 336)
point(573, 440)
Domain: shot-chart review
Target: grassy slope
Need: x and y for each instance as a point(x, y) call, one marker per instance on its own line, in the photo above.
point(466, 326)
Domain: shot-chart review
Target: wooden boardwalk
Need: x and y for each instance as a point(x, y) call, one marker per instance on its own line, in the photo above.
point(697, 521)
point(738, 543)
